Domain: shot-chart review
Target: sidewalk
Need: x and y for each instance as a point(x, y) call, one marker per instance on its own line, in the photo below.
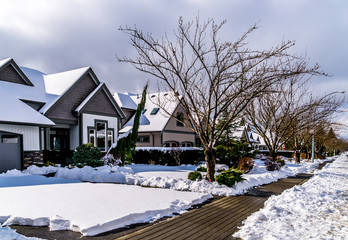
point(216, 220)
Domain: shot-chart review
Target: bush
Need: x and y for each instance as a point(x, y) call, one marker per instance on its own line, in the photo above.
point(281, 161)
point(194, 176)
point(272, 165)
point(109, 159)
point(87, 155)
point(229, 177)
point(202, 169)
point(245, 164)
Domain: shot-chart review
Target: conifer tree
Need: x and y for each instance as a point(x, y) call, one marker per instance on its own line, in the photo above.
point(125, 149)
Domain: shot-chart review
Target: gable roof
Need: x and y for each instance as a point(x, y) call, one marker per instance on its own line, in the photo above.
point(101, 87)
point(12, 66)
point(44, 89)
point(154, 122)
point(58, 85)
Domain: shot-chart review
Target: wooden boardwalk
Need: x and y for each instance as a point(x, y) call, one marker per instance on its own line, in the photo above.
point(216, 220)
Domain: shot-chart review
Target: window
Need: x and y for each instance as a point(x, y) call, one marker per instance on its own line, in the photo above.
point(171, 144)
point(144, 139)
point(154, 111)
point(180, 119)
point(186, 144)
point(144, 111)
point(101, 135)
point(9, 139)
point(91, 136)
point(110, 137)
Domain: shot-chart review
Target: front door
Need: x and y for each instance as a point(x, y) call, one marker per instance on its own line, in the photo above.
point(59, 141)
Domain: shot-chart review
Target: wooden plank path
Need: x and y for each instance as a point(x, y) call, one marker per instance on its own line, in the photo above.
point(216, 220)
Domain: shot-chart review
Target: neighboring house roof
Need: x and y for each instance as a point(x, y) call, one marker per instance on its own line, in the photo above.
point(124, 100)
point(153, 118)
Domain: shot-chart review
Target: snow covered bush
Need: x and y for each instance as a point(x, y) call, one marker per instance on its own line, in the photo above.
point(245, 164)
point(109, 159)
point(272, 165)
point(229, 177)
point(194, 176)
point(87, 155)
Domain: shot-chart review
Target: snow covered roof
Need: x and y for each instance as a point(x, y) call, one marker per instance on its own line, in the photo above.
point(43, 89)
point(15, 111)
point(5, 61)
point(124, 100)
point(154, 119)
point(58, 83)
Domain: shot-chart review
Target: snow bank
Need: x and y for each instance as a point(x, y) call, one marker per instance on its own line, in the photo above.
point(175, 177)
point(318, 209)
point(90, 208)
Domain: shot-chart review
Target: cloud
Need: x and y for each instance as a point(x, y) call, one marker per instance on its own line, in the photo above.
point(59, 35)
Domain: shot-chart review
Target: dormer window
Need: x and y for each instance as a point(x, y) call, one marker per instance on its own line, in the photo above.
point(154, 111)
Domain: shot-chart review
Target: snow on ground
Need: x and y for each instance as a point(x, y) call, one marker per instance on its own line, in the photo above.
point(318, 209)
point(175, 177)
point(85, 207)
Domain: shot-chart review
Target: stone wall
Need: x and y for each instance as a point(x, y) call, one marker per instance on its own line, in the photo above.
point(30, 158)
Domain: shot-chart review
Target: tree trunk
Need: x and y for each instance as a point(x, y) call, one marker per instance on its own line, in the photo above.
point(210, 157)
point(273, 156)
point(297, 156)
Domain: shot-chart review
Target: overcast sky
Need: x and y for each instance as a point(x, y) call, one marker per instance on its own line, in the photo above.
point(59, 35)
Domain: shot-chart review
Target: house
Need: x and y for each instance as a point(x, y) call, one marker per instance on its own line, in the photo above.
point(248, 134)
point(158, 127)
point(52, 112)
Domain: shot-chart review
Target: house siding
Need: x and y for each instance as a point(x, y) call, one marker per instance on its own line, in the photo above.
point(100, 103)
point(65, 107)
point(171, 125)
point(178, 137)
point(31, 136)
point(9, 74)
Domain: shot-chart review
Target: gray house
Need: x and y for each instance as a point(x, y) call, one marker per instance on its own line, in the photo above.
point(52, 112)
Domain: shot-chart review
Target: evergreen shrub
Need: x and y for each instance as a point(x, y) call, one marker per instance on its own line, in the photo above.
point(229, 177)
point(202, 169)
point(281, 161)
point(195, 175)
point(87, 155)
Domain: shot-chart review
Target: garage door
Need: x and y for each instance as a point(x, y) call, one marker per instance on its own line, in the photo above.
point(10, 151)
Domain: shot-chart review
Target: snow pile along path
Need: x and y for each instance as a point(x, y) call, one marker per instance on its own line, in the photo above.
point(175, 177)
point(88, 208)
point(317, 209)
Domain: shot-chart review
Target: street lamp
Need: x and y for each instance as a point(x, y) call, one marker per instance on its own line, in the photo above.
point(312, 159)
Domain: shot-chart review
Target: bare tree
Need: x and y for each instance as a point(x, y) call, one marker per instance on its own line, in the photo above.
point(289, 114)
point(211, 77)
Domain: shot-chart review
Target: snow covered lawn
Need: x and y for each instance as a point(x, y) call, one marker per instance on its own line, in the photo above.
point(85, 207)
point(317, 209)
